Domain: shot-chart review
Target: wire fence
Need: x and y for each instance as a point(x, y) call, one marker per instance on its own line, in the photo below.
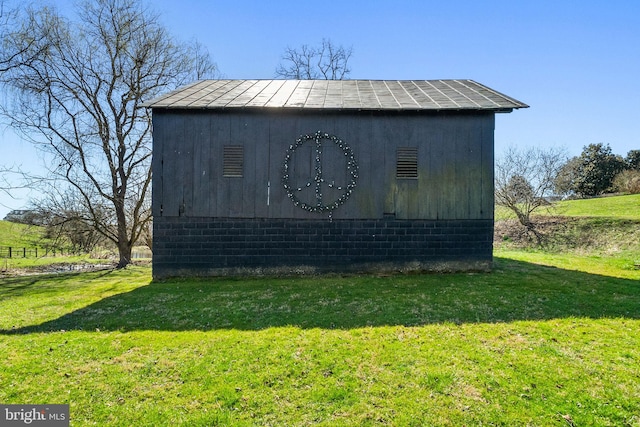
point(17, 252)
point(35, 252)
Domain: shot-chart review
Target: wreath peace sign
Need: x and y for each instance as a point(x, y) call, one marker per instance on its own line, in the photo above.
point(316, 202)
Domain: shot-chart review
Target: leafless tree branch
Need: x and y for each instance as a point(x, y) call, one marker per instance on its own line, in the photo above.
point(326, 61)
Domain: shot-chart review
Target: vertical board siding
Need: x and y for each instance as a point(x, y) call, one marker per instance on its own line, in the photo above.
point(221, 135)
point(410, 192)
point(459, 184)
point(159, 123)
point(217, 137)
point(455, 164)
point(233, 196)
point(282, 134)
point(449, 181)
point(258, 161)
point(185, 173)
point(429, 169)
point(384, 139)
point(487, 171)
point(357, 133)
point(174, 162)
point(474, 185)
point(200, 135)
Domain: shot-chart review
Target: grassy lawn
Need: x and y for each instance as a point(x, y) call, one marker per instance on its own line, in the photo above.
point(19, 236)
point(627, 207)
point(600, 234)
point(621, 207)
point(542, 340)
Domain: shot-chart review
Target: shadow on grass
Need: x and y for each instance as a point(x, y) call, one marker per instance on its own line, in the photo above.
point(22, 285)
point(513, 291)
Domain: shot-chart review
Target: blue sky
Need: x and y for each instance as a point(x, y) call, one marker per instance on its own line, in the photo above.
point(576, 63)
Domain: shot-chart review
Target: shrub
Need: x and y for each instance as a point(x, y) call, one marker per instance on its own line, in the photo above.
point(628, 181)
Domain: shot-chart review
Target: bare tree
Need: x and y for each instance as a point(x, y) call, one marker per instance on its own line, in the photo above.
point(327, 61)
point(79, 93)
point(12, 23)
point(63, 214)
point(202, 67)
point(5, 183)
point(525, 178)
point(12, 177)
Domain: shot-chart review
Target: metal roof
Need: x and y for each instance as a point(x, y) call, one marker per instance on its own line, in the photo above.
point(337, 95)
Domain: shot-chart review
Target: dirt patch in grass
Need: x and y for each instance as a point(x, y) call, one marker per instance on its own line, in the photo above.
point(54, 269)
point(62, 268)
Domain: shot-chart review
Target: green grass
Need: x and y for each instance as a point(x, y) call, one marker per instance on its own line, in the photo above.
point(605, 230)
point(20, 235)
point(620, 207)
point(531, 343)
point(546, 339)
point(624, 207)
point(621, 264)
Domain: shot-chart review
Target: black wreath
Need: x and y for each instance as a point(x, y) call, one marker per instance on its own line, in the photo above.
point(352, 168)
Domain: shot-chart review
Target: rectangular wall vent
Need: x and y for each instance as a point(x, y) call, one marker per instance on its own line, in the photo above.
point(232, 161)
point(407, 162)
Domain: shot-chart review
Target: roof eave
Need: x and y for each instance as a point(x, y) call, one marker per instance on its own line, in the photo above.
point(337, 109)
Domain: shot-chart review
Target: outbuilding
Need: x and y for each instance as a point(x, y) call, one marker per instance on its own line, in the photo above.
point(269, 176)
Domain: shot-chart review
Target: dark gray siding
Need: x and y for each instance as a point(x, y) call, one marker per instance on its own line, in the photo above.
point(455, 163)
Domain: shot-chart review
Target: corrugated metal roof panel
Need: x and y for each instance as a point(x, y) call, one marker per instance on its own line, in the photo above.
point(386, 99)
point(283, 94)
point(299, 97)
point(411, 95)
point(230, 91)
point(367, 95)
point(264, 96)
point(418, 94)
point(350, 95)
point(317, 95)
point(254, 89)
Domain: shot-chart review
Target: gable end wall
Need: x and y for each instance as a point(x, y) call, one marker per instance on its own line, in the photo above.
point(206, 224)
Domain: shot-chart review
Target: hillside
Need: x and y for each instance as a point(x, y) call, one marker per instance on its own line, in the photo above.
point(20, 235)
point(622, 207)
point(607, 227)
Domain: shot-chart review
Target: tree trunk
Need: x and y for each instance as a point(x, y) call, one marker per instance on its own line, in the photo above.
point(525, 220)
point(124, 243)
point(124, 253)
